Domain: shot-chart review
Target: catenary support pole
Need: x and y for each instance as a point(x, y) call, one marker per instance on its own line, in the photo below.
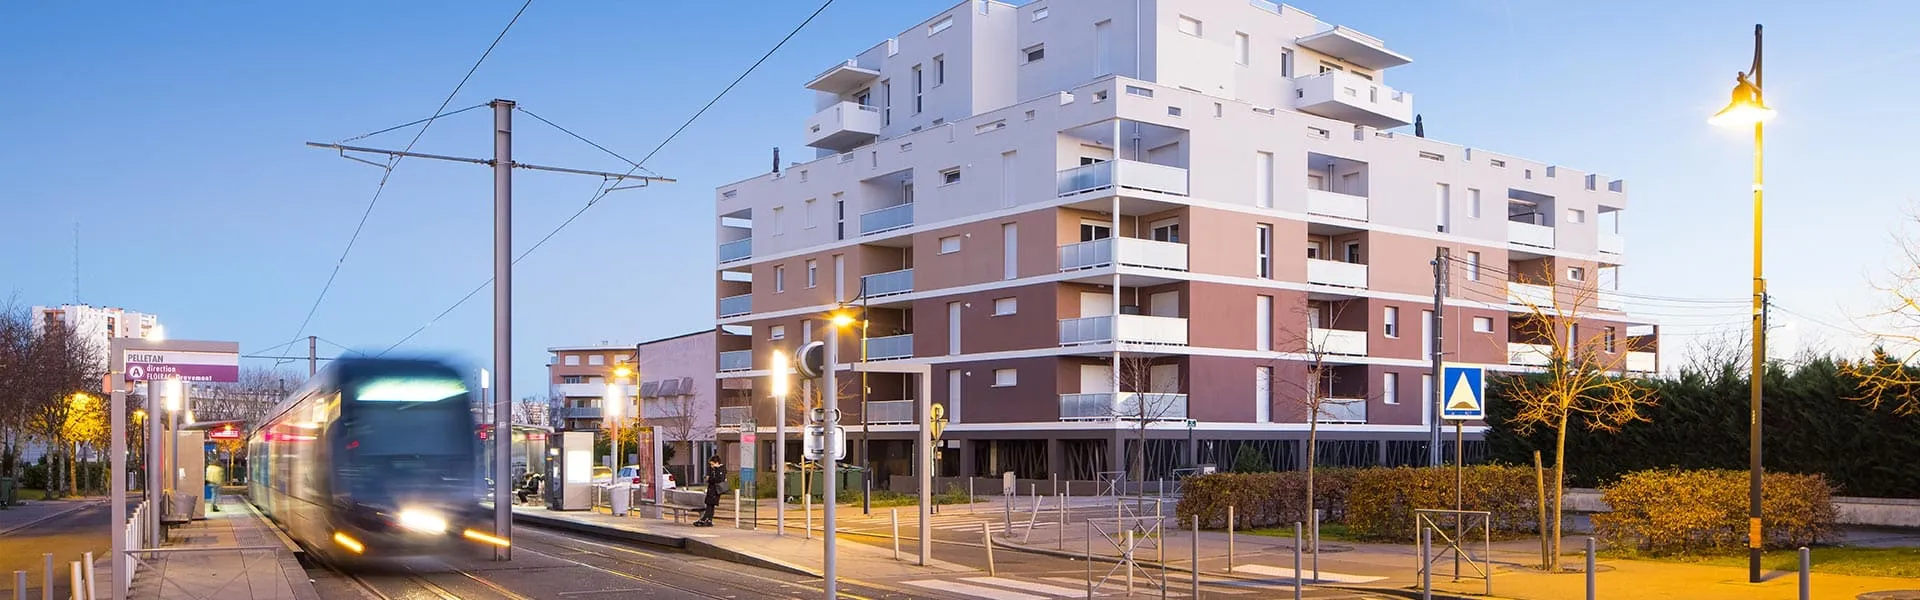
point(313, 355)
point(1434, 401)
point(830, 396)
point(502, 317)
point(116, 476)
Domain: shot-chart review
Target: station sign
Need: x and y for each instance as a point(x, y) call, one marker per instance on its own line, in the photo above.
point(160, 365)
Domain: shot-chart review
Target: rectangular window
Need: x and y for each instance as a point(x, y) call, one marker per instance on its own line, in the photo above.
point(1426, 389)
point(1483, 324)
point(1473, 203)
point(950, 244)
point(1263, 323)
point(1165, 230)
point(950, 176)
point(1134, 90)
point(806, 331)
point(886, 103)
point(1189, 26)
point(1010, 251)
point(1442, 206)
point(940, 25)
point(779, 212)
point(953, 328)
point(1392, 320)
point(1609, 339)
point(573, 360)
point(1286, 62)
point(1005, 306)
point(1473, 265)
point(777, 332)
point(1390, 388)
point(1263, 394)
point(839, 217)
point(1242, 48)
point(839, 278)
point(939, 70)
point(1040, 13)
point(809, 213)
point(1263, 179)
point(596, 360)
point(1035, 53)
point(1575, 215)
point(573, 379)
point(1263, 250)
point(917, 88)
point(813, 273)
point(1577, 273)
point(1006, 377)
point(779, 278)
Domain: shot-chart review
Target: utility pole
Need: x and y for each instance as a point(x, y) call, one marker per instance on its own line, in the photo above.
point(830, 421)
point(313, 351)
point(503, 166)
point(1434, 399)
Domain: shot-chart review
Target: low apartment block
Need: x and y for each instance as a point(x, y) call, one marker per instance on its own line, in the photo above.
point(1082, 217)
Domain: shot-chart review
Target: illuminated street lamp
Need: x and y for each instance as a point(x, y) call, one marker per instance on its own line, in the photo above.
point(614, 407)
point(782, 372)
point(1748, 107)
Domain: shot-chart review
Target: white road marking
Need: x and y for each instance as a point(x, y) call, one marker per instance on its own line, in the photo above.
point(972, 590)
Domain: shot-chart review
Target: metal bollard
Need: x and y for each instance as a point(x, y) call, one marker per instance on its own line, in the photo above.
point(1127, 557)
point(736, 509)
point(1061, 542)
point(1195, 558)
point(1230, 538)
point(77, 580)
point(1089, 560)
point(19, 585)
point(1007, 503)
point(1590, 568)
point(88, 569)
point(1806, 573)
point(986, 539)
point(1296, 561)
point(894, 513)
point(1316, 544)
point(970, 496)
point(46, 577)
point(806, 504)
point(1426, 564)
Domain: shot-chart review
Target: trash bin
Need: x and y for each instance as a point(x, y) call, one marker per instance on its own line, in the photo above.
point(850, 478)
point(620, 496)
point(6, 492)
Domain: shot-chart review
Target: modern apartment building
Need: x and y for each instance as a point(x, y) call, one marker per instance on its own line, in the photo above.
point(98, 325)
point(675, 392)
point(1078, 215)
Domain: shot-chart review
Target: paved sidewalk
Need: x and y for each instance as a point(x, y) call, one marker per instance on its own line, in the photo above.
point(193, 565)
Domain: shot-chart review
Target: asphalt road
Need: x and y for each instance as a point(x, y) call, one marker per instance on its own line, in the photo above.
point(69, 536)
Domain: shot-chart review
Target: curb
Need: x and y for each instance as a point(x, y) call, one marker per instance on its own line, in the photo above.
point(694, 546)
point(83, 504)
point(1395, 591)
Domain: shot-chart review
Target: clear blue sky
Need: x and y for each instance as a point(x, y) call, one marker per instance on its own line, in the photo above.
point(172, 133)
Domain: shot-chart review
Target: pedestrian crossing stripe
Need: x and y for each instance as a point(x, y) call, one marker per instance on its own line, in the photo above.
point(1464, 394)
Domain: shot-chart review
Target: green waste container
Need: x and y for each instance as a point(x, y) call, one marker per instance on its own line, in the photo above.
point(6, 492)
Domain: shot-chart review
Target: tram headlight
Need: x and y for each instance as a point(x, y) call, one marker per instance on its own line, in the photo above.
point(422, 521)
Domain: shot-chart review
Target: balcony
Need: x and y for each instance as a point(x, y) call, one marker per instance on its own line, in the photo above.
point(1343, 410)
point(890, 412)
point(1528, 234)
point(893, 217)
point(843, 78)
point(1642, 362)
point(1611, 301)
point(736, 250)
point(1139, 329)
point(584, 390)
point(1336, 204)
point(734, 306)
point(893, 346)
point(1134, 252)
point(734, 416)
point(1354, 47)
point(1529, 355)
point(1336, 273)
point(843, 126)
point(1338, 341)
point(1127, 174)
point(1348, 97)
point(582, 412)
point(887, 284)
point(736, 360)
point(1613, 243)
point(1109, 406)
point(1527, 296)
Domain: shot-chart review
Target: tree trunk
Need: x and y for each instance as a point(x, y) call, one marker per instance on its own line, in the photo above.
point(1313, 443)
point(1559, 489)
point(73, 471)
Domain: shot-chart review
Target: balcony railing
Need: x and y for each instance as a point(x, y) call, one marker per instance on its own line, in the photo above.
point(843, 126)
point(736, 250)
point(1611, 301)
point(1343, 410)
point(1123, 406)
point(1348, 97)
point(1528, 234)
point(1529, 295)
point(1133, 328)
point(1531, 355)
point(1613, 243)
point(583, 412)
point(734, 416)
point(888, 283)
point(890, 412)
point(1134, 252)
point(736, 360)
point(889, 218)
point(1336, 204)
point(1642, 362)
point(893, 346)
point(1126, 174)
point(1338, 341)
point(734, 306)
point(1336, 273)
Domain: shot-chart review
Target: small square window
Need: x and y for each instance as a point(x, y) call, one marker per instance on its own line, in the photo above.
point(573, 360)
point(1005, 306)
point(1040, 13)
point(1575, 215)
point(1006, 377)
point(950, 244)
point(1189, 26)
point(950, 176)
point(1577, 273)
point(1035, 53)
point(777, 332)
point(1173, 111)
point(596, 360)
point(813, 273)
point(1483, 324)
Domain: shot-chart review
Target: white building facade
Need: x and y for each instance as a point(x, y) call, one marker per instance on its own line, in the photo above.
point(98, 325)
point(1084, 214)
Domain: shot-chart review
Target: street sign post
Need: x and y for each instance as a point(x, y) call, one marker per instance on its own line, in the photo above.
point(1465, 394)
point(155, 365)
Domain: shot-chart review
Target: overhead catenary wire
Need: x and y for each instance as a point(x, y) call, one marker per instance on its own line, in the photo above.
point(1508, 275)
point(393, 161)
point(637, 165)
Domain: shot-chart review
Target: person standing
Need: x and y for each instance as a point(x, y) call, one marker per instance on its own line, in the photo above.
point(716, 485)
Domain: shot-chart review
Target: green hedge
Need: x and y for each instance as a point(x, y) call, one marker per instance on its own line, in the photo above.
point(1263, 499)
point(1374, 503)
point(1673, 511)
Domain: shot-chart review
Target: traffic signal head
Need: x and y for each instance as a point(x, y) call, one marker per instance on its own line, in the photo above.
point(812, 359)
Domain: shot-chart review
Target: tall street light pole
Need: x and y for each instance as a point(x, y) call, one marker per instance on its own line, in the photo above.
point(781, 367)
point(1748, 107)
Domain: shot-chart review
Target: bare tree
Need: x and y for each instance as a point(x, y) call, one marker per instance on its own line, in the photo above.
point(258, 390)
point(16, 337)
point(678, 420)
point(1145, 400)
point(1889, 375)
point(1313, 393)
point(59, 365)
point(1583, 381)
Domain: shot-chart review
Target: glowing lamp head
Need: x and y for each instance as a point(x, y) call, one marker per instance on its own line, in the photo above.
point(842, 319)
point(174, 393)
point(1746, 108)
point(781, 368)
point(422, 521)
point(622, 371)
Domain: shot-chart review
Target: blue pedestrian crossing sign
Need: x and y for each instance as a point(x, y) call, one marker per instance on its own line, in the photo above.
point(1464, 396)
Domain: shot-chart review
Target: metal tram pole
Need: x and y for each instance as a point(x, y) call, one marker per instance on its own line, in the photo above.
point(830, 396)
point(502, 315)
